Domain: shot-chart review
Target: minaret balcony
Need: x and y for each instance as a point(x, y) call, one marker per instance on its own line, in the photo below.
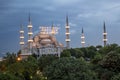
point(53, 32)
point(104, 33)
point(30, 33)
point(29, 26)
point(104, 39)
point(21, 31)
point(83, 42)
point(82, 37)
point(30, 40)
point(22, 37)
point(67, 33)
point(21, 43)
point(67, 40)
point(67, 26)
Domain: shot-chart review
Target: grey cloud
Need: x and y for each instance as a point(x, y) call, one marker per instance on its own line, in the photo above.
point(89, 14)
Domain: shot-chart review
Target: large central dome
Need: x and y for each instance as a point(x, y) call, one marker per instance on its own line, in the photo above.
point(45, 39)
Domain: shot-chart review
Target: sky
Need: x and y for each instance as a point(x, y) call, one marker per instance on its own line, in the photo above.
point(89, 14)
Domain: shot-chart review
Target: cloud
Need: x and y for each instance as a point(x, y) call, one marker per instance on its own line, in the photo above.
point(50, 8)
point(65, 2)
point(85, 15)
point(73, 31)
point(72, 24)
point(36, 32)
point(89, 14)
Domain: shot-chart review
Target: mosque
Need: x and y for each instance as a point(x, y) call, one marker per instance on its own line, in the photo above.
point(45, 42)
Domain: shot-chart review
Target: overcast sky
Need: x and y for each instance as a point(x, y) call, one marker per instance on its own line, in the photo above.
point(89, 14)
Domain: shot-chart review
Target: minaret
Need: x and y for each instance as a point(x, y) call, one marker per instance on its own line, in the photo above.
point(104, 35)
point(52, 30)
point(67, 34)
point(22, 39)
point(82, 38)
point(30, 33)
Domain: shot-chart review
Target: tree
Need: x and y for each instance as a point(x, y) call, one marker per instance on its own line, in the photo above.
point(78, 53)
point(10, 58)
point(65, 53)
point(25, 69)
point(69, 69)
point(2, 66)
point(30, 67)
point(6, 76)
point(111, 61)
point(108, 48)
point(85, 52)
point(46, 60)
point(91, 52)
point(16, 69)
point(97, 58)
point(98, 47)
point(116, 77)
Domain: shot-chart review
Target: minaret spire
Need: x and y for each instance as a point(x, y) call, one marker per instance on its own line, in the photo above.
point(21, 38)
point(67, 33)
point(104, 35)
point(82, 31)
point(82, 38)
point(30, 33)
point(67, 23)
point(104, 27)
point(29, 19)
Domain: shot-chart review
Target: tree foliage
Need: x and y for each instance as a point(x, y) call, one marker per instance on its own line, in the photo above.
point(111, 61)
point(6, 76)
point(65, 53)
point(116, 77)
point(46, 60)
point(87, 63)
point(69, 69)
